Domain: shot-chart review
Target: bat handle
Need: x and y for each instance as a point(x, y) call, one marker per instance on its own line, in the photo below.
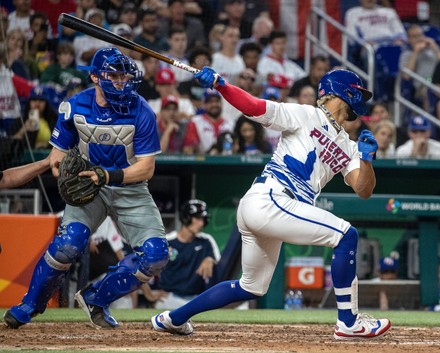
point(185, 67)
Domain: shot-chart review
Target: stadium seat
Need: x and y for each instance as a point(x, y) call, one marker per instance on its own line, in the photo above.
point(387, 68)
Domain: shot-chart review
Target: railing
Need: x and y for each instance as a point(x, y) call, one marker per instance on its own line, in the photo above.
point(399, 100)
point(317, 20)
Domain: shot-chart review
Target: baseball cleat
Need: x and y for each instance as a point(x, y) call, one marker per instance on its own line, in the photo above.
point(99, 316)
point(19, 315)
point(365, 326)
point(162, 323)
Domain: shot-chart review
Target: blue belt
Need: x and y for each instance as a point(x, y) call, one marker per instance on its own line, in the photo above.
point(262, 180)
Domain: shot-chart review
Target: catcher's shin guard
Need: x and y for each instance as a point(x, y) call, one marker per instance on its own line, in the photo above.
point(129, 273)
point(66, 248)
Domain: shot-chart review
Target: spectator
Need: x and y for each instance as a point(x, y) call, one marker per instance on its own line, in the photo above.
point(112, 9)
point(375, 24)
point(10, 110)
point(385, 135)
point(193, 256)
point(63, 71)
point(253, 9)
point(246, 81)
point(149, 37)
point(56, 7)
point(171, 127)
point(319, 65)
point(19, 19)
point(421, 57)
point(233, 16)
point(41, 47)
point(85, 46)
point(18, 57)
point(389, 269)
point(166, 85)
point(419, 145)
point(223, 146)
point(262, 27)
point(282, 82)
point(39, 119)
point(277, 62)
point(178, 42)
point(250, 52)
point(68, 34)
point(3, 23)
point(226, 62)
point(307, 95)
point(250, 138)
point(129, 16)
point(203, 130)
point(147, 88)
point(125, 31)
point(198, 58)
point(177, 17)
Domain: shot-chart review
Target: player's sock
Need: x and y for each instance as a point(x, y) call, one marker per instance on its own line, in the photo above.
point(343, 269)
point(216, 297)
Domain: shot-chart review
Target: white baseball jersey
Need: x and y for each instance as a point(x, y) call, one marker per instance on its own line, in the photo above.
point(310, 152)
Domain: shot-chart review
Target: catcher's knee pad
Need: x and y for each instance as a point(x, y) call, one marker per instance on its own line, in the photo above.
point(70, 243)
point(348, 242)
point(153, 256)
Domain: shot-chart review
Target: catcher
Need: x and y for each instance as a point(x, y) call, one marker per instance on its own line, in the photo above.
point(110, 137)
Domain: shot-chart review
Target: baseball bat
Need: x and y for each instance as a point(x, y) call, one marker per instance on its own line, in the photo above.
point(92, 30)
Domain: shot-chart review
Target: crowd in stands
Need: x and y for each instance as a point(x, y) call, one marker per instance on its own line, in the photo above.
point(240, 39)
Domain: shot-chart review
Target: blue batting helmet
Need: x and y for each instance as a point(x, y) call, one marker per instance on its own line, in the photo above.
point(120, 95)
point(349, 87)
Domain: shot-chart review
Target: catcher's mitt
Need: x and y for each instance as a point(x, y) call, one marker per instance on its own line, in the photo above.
point(78, 190)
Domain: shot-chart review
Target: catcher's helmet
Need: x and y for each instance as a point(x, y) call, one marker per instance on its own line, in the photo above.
point(111, 60)
point(193, 208)
point(349, 87)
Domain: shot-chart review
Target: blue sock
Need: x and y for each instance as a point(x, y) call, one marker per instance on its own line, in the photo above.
point(215, 297)
point(343, 268)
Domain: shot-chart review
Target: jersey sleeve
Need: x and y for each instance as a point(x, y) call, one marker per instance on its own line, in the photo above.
point(286, 116)
point(65, 135)
point(146, 138)
point(355, 162)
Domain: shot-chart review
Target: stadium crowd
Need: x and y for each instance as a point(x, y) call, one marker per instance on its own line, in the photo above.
point(243, 40)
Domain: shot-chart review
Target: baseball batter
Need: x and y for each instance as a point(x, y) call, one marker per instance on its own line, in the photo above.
point(115, 129)
point(280, 205)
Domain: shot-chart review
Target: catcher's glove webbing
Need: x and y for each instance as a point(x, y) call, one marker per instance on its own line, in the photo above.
point(74, 189)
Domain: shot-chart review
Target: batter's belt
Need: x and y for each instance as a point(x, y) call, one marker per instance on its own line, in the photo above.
point(274, 184)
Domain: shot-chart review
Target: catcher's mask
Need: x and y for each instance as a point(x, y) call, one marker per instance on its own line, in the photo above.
point(120, 95)
point(349, 87)
point(194, 208)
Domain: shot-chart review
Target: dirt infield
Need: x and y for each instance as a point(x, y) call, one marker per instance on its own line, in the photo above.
point(213, 338)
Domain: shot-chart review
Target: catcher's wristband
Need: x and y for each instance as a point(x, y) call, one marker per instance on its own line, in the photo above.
point(115, 177)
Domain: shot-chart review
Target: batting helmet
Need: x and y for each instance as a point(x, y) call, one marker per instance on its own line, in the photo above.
point(111, 60)
point(349, 87)
point(193, 208)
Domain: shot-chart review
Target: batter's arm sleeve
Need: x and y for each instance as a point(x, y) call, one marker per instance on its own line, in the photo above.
point(243, 101)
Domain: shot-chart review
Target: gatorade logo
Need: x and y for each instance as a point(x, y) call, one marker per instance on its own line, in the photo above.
point(306, 275)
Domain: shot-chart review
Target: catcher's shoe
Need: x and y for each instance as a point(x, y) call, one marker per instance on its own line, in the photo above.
point(162, 323)
point(365, 326)
point(99, 316)
point(19, 315)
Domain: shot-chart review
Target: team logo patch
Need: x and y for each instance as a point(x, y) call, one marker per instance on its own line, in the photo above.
point(104, 137)
point(173, 253)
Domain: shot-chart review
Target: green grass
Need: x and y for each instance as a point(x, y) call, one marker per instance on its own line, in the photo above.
point(256, 316)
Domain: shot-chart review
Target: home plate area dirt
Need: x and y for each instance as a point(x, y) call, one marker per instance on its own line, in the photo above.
point(212, 338)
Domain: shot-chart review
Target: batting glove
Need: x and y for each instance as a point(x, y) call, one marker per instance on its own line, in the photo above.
point(208, 78)
point(367, 145)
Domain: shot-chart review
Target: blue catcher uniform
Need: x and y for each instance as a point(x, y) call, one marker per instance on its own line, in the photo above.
point(112, 137)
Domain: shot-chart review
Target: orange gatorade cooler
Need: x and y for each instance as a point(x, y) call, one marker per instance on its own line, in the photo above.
point(305, 272)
